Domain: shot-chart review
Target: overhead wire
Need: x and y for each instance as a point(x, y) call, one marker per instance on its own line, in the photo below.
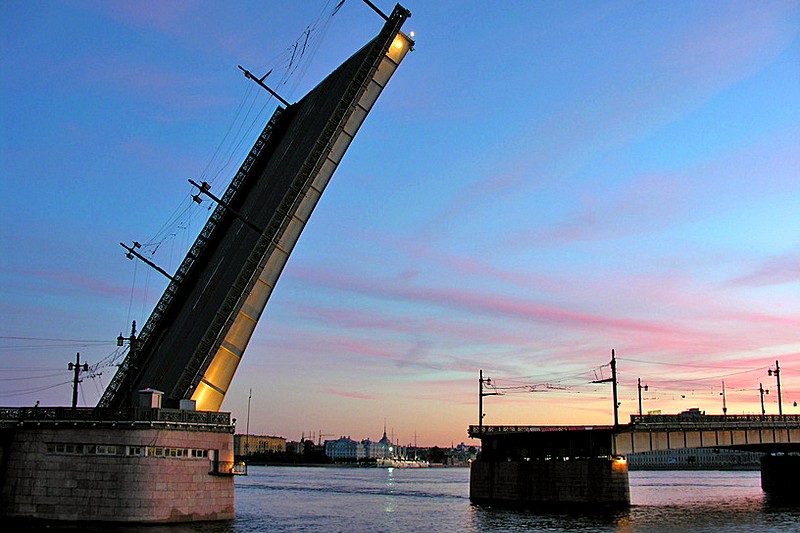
point(687, 365)
point(246, 120)
point(20, 392)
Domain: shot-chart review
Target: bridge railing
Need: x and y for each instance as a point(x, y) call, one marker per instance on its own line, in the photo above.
point(702, 420)
point(105, 415)
point(477, 431)
point(693, 421)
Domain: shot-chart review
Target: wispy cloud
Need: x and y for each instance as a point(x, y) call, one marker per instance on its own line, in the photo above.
point(713, 54)
point(151, 14)
point(349, 394)
point(65, 282)
point(773, 271)
point(688, 336)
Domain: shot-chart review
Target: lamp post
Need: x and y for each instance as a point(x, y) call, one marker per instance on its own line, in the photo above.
point(133, 347)
point(762, 392)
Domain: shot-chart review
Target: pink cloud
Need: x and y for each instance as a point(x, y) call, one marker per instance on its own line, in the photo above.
point(350, 394)
point(700, 326)
point(60, 281)
point(151, 14)
point(483, 304)
point(715, 53)
point(774, 271)
point(135, 79)
point(739, 38)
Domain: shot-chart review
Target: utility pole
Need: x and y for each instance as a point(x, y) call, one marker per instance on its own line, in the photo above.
point(481, 394)
point(640, 387)
point(724, 401)
point(613, 381)
point(762, 391)
point(777, 374)
point(133, 348)
point(247, 429)
point(77, 368)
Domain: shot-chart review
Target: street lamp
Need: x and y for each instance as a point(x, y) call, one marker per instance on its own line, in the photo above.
point(762, 391)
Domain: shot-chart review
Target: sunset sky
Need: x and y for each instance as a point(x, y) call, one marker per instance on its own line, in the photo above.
point(539, 183)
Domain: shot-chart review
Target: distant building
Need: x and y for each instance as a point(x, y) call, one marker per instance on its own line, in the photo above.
point(344, 449)
point(695, 458)
point(461, 455)
point(252, 444)
point(294, 446)
point(378, 450)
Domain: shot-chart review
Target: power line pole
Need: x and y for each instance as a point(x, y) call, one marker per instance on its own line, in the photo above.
point(640, 387)
point(613, 381)
point(777, 374)
point(247, 438)
point(77, 368)
point(724, 400)
point(481, 394)
point(614, 386)
point(762, 391)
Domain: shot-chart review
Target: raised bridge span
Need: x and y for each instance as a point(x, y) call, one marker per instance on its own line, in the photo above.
point(533, 465)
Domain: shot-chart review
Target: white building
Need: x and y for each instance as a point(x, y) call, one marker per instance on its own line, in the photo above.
point(344, 448)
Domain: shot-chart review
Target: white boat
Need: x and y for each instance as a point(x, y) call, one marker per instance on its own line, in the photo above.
point(389, 462)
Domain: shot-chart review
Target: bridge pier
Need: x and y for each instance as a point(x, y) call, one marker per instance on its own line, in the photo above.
point(526, 466)
point(596, 481)
point(779, 476)
point(579, 465)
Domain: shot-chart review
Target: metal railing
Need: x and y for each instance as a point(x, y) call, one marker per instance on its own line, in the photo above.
point(709, 421)
point(208, 419)
point(494, 430)
point(656, 421)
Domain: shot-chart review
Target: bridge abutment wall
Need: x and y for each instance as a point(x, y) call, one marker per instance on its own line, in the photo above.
point(116, 474)
point(593, 481)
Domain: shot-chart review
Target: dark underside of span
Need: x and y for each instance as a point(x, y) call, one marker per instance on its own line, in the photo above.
point(549, 444)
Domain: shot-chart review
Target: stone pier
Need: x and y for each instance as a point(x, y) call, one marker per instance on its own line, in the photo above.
point(563, 482)
point(541, 466)
point(150, 466)
point(780, 475)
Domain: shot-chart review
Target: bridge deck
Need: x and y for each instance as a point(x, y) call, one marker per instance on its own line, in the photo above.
point(770, 433)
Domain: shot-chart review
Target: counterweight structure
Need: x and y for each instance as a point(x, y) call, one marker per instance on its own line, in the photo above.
point(196, 336)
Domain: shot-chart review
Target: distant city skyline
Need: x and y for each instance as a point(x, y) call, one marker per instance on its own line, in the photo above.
point(539, 184)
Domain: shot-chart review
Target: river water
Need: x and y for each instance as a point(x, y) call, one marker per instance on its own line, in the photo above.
point(283, 499)
point(372, 499)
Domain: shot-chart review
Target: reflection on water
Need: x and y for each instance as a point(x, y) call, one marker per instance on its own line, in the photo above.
point(279, 499)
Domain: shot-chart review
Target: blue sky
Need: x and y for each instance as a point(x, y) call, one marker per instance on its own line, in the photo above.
point(539, 183)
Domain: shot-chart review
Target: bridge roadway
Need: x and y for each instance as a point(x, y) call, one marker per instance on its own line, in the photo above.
point(768, 433)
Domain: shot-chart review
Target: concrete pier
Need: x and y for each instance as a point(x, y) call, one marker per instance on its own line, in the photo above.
point(535, 483)
point(149, 466)
point(780, 475)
